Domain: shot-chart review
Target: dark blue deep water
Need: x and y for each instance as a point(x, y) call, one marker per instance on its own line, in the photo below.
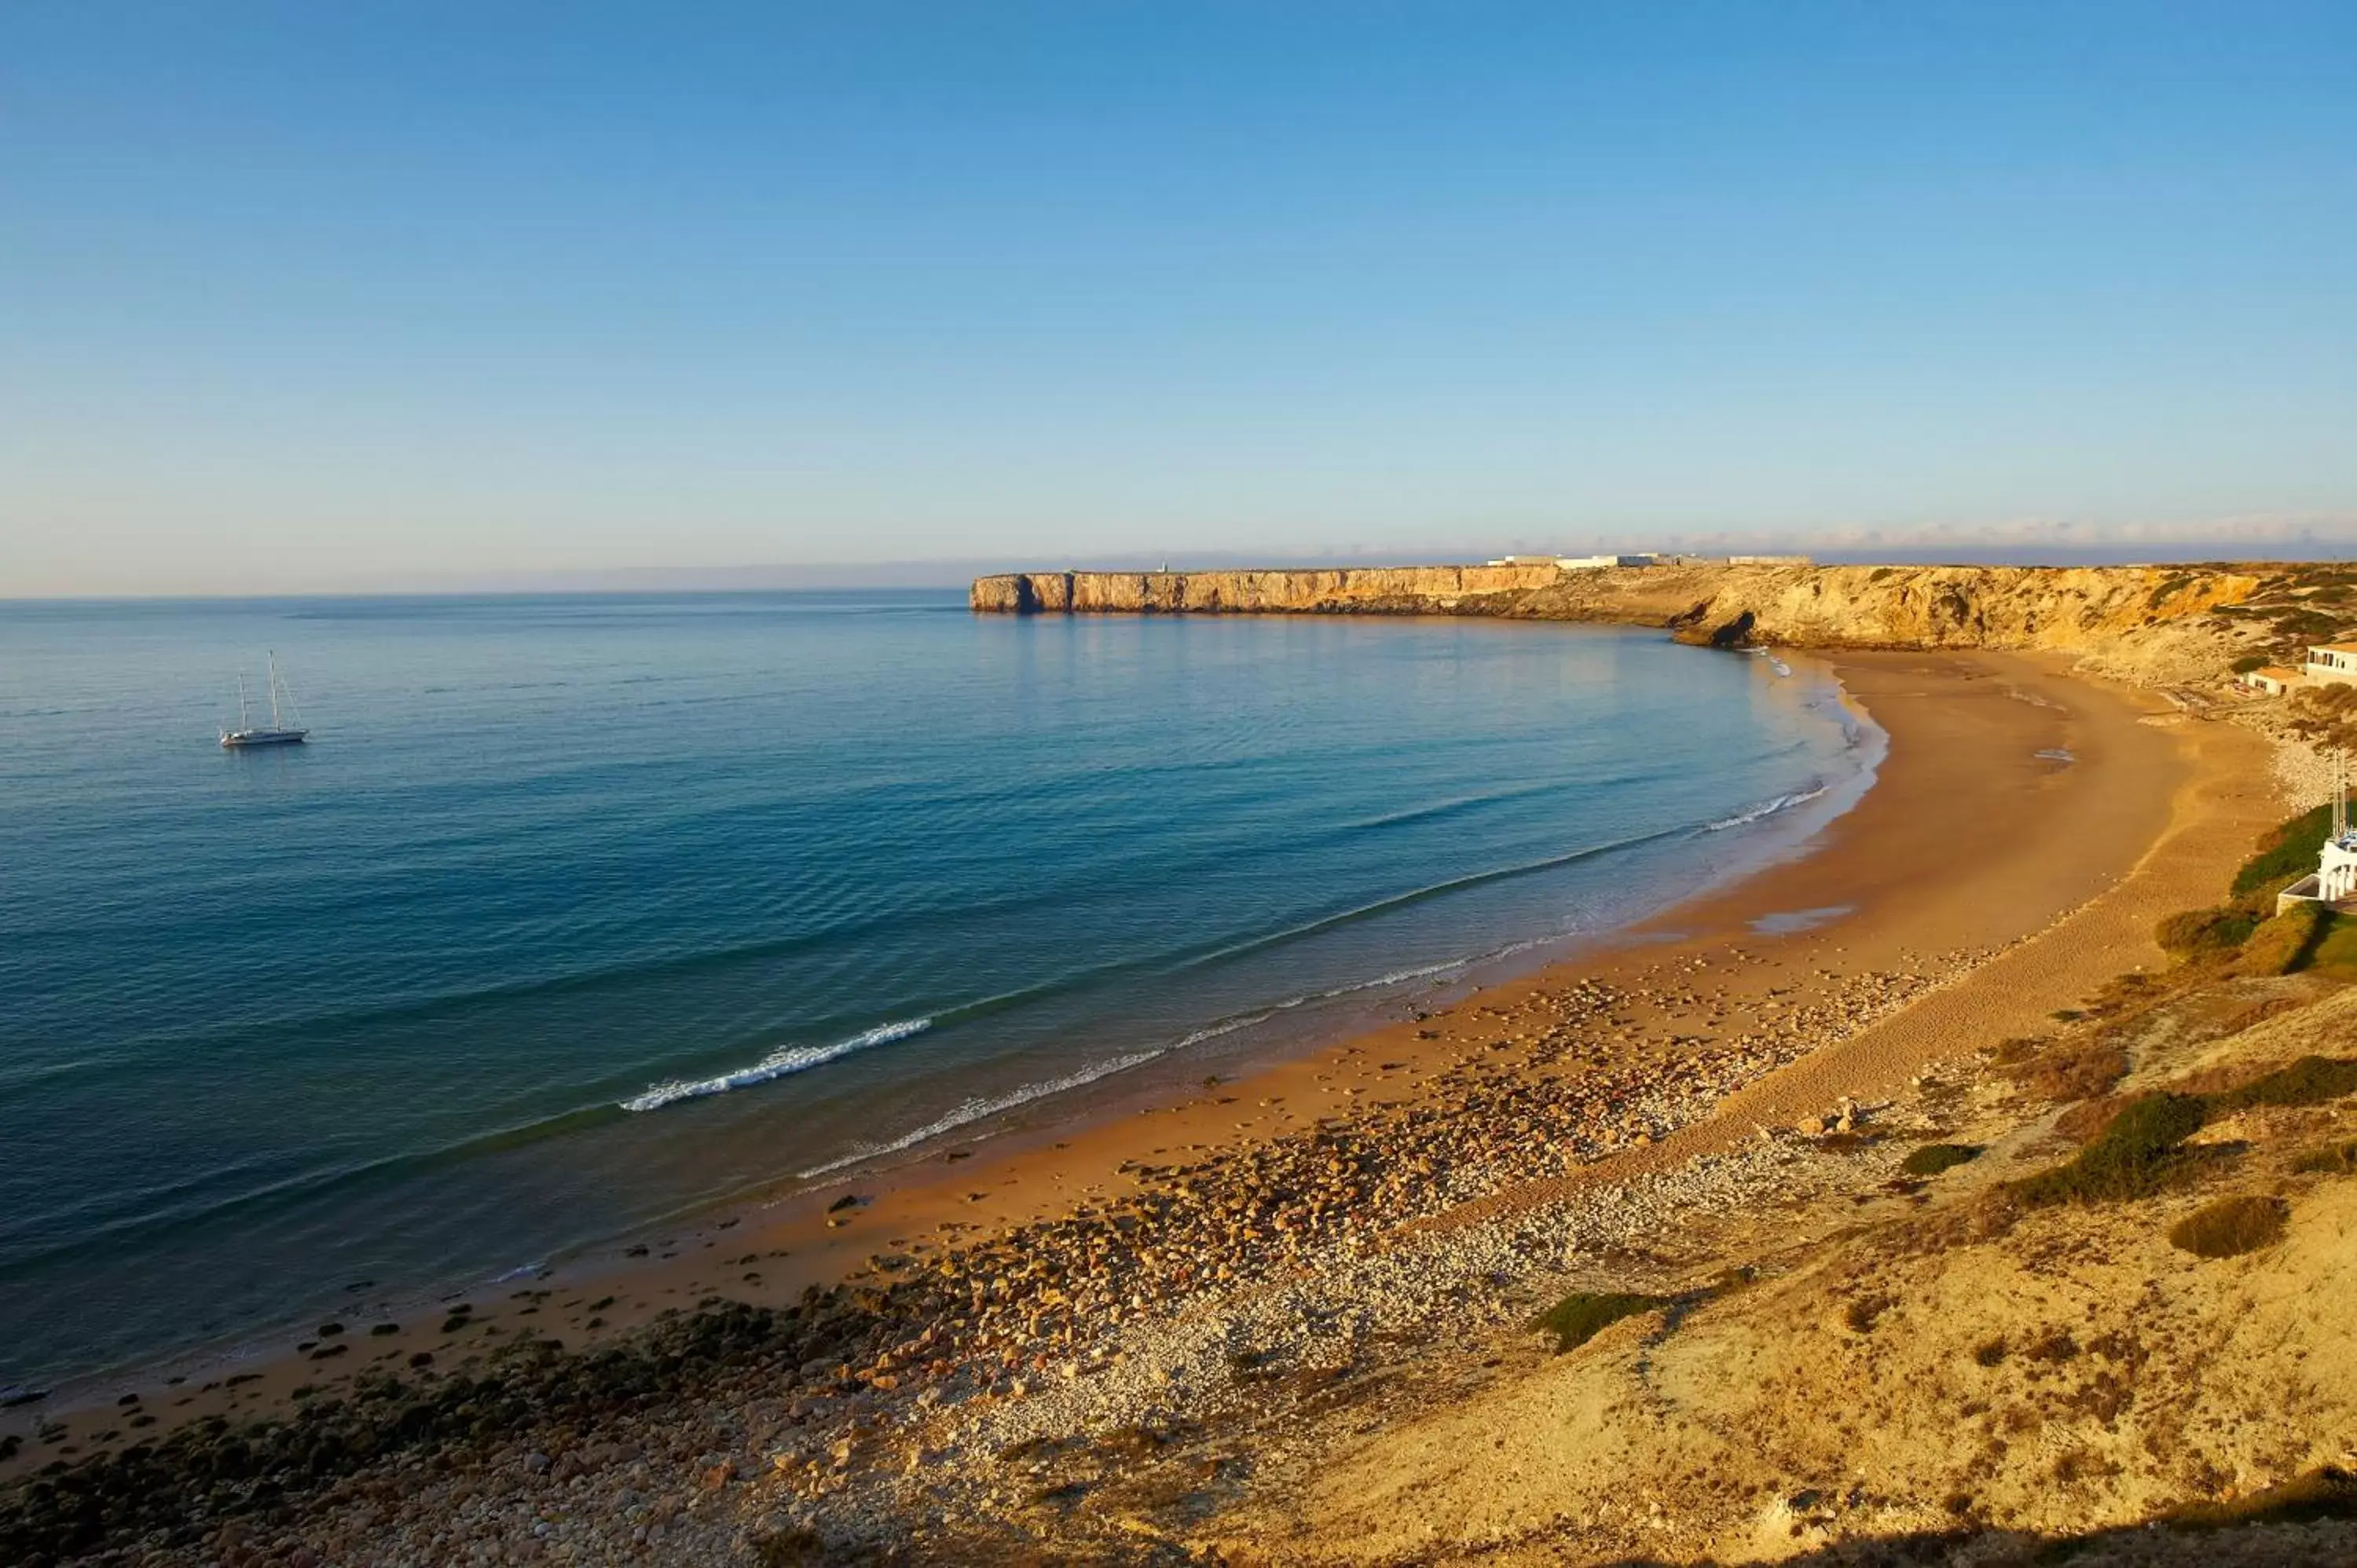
point(578, 913)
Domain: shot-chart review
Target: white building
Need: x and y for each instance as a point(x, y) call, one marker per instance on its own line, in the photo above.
point(1597, 563)
point(2334, 661)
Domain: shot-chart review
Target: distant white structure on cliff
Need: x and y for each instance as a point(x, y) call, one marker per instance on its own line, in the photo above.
point(1656, 558)
point(1576, 563)
point(2336, 863)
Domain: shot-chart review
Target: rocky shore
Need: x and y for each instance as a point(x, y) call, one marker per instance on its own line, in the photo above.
point(1216, 1283)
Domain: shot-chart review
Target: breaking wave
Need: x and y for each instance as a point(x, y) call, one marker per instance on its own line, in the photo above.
point(777, 1064)
point(1766, 808)
point(974, 1109)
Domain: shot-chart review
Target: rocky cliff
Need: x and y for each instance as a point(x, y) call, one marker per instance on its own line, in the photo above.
point(2083, 609)
point(1400, 589)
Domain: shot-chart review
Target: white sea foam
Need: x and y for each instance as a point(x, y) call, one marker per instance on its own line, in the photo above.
point(1396, 977)
point(777, 1064)
point(974, 1109)
point(1226, 1026)
point(1767, 809)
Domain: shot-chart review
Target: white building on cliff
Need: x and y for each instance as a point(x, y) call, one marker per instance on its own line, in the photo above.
point(2336, 863)
point(2334, 663)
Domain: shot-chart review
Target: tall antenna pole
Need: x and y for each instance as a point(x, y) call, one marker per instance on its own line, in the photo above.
point(2339, 800)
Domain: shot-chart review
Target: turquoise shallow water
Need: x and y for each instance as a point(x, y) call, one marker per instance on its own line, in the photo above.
point(582, 912)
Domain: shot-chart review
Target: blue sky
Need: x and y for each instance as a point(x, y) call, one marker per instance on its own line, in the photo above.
point(306, 295)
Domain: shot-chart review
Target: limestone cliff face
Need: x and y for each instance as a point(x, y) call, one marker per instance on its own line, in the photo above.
point(1439, 589)
point(1953, 606)
point(2080, 608)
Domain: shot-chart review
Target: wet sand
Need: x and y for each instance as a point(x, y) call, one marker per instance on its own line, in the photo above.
point(1970, 841)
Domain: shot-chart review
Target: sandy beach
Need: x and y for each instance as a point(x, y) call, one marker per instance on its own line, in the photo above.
point(2014, 797)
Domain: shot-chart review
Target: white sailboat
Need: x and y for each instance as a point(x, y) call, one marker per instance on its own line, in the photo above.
point(282, 730)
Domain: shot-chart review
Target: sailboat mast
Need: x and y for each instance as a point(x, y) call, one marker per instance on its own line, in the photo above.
point(243, 722)
point(274, 693)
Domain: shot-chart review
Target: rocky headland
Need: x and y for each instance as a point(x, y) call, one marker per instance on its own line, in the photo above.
point(2076, 609)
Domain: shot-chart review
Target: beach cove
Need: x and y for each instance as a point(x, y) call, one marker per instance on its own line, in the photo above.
point(1707, 1025)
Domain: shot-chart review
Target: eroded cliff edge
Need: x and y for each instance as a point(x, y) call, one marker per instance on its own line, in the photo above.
point(2080, 608)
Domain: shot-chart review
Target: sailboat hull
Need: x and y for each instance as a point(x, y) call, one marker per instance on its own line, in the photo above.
point(244, 737)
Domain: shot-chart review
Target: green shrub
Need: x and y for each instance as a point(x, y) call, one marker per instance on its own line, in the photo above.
point(2312, 1080)
point(2306, 626)
point(2229, 1228)
point(1582, 1315)
point(2192, 933)
point(2248, 662)
point(2335, 950)
point(2288, 849)
point(2332, 1159)
point(2140, 1153)
point(1932, 1158)
point(2287, 943)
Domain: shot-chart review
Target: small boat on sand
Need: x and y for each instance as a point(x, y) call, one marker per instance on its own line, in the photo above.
point(281, 730)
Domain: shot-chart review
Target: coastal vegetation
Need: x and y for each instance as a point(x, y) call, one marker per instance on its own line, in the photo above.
point(1582, 1315)
point(2332, 1159)
point(2229, 1226)
point(1932, 1158)
point(2140, 1151)
point(2286, 855)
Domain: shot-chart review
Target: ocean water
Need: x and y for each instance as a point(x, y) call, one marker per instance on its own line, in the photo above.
point(580, 914)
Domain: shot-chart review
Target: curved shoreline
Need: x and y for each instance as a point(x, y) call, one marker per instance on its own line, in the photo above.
point(149, 1291)
point(1873, 882)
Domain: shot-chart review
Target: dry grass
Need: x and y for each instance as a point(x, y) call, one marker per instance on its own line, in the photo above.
point(2328, 1493)
point(2082, 1122)
point(2333, 1159)
point(2230, 1228)
point(2063, 1070)
point(1860, 1314)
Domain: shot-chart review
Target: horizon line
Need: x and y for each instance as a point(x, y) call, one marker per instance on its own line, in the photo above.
point(929, 577)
